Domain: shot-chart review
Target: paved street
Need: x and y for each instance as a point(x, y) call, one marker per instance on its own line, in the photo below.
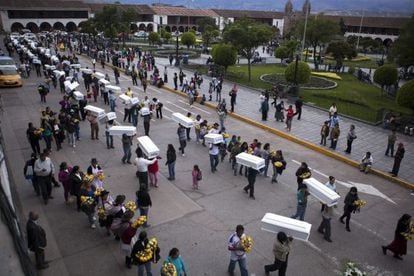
point(370, 138)
point(199, 222)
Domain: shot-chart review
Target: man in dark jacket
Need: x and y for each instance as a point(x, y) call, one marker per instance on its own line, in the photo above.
point(36, 240)
point(298, 106)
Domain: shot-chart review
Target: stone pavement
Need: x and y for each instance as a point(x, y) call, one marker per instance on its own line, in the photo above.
point(370, 138)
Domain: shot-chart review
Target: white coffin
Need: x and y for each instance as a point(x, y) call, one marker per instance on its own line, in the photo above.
point(125, 99)
point(36, 61)
point(77, 66)
point(148, 147)
point(134, 101)
point(113, 88)
point(321, 192)
point(297, 229)
point(111, 116)
point(145, 111)
point(214, 138)
point(103, 81)
point(99, 75)
point(183, 120)
point(99, 112)
point(67, 62)
point(87, 71)
point(250, 160)
point(119, 130)
point(54, 59)
point(78, 95)
point(58, 73)
point(66, 83)
point(50, 67)
point(71, 86)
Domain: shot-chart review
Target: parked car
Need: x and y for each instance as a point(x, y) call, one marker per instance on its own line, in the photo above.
point(141, 34)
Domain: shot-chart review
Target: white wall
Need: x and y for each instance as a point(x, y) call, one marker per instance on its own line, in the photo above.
point(279, 23)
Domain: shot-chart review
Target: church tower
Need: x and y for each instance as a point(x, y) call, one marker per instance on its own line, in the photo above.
point(306, 7)
point(288, 7)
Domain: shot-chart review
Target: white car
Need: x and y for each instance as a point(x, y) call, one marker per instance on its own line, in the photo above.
point(141, 34)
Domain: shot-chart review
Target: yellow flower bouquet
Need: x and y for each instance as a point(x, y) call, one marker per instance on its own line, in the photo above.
point(306, 175)
point(247, 243)
point(87, 204)
point(101, 213)
point(149, 252)
point(88, 178)
point(130, 205)
point(409, 235)
point(98, 192)
point(168, 269)
point(359, 203)
point(100, 176)
point(139, 221)
point(278, 164)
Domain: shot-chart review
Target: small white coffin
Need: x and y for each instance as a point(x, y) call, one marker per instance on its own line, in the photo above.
point(214, 138)
point(145, 111)
point(71, 86)
point(87, 71)
point(36, 61)
point(183, 120)
point(113, 88)
point(148, 147)
point(99, 75)
point(321, 192)
point(58, 73)
point(125, 99)
point(99, 112)
point(103, 81)
point(119, 130)
point(78, 95)
point(134, 101)
point(76, 65)
point(250, 160)
point(67, 62)
point(297, 229)
point(111, 116)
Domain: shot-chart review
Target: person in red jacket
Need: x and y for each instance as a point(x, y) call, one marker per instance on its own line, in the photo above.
point(153, 174)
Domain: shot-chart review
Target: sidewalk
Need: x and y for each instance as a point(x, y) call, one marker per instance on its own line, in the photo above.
point(370, 138)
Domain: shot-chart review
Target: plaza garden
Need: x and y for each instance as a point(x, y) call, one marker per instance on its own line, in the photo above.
point(354, 98)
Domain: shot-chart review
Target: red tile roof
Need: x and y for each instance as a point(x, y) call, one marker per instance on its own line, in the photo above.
point(248, 13)
point(182, 11)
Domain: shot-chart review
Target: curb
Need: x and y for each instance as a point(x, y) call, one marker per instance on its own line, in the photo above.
point(403, 183)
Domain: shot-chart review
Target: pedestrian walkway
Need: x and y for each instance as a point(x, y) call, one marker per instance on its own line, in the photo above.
point(370, 138)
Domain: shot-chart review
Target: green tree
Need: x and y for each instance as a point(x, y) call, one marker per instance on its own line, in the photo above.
point(302, 72)
point(88, 27)
point(282, 52)
point(246, 35)
point(342, 26)
point(153, 38)
point(402, 52)
point(209, 35)
point(167, 37)
point(318, 30)
point(205, 22)
point(224, 55)
point(340, 50)
point(291, 46)
point(188, 39)
point(405, 95)
point(386, 75)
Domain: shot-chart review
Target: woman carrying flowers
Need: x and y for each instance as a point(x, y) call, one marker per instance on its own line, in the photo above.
point(176, 260)
point(403, 232)
point(87, 200)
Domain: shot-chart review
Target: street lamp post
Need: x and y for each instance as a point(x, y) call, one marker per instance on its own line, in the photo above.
point(177, 61)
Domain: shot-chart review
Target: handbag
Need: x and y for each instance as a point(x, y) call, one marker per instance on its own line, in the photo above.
point(29, 172)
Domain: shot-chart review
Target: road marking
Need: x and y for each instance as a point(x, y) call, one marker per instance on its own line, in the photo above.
point(178, 106)
point(333, 259)
point(166, 108)
point(363, 188)
point(194, 107)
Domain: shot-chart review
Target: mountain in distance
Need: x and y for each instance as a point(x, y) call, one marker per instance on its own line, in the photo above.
point(367, 6)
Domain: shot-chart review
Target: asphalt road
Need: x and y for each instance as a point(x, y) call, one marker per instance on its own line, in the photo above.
point(200, 222)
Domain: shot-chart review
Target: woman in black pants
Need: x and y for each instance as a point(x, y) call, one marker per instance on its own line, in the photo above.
point(75, 180)
point(281, 249)
point(349, 207)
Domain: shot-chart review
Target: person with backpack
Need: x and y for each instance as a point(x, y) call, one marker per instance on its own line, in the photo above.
point(197, 176)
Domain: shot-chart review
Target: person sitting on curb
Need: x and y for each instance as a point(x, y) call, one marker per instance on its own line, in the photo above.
point(366, 163)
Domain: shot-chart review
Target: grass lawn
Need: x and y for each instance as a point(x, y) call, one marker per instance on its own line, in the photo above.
point(352, 97)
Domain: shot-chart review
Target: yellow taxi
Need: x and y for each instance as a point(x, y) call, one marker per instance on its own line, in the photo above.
point(9, 77)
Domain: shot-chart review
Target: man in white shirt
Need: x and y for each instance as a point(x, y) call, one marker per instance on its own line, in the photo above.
point(142, 169)
point(366, 163)
point(237, 252)
point(214, 157)
point(44, 169)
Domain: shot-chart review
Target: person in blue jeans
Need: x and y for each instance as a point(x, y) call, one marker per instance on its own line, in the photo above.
point(302, 197)
point(144, 203)
point(171, 157)
point(214, 157)
point(237, 252)
point(126, 146)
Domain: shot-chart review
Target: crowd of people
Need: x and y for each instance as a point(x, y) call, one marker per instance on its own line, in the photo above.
point(116, 215)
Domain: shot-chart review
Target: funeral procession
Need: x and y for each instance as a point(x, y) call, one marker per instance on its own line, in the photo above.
point(206, 138)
